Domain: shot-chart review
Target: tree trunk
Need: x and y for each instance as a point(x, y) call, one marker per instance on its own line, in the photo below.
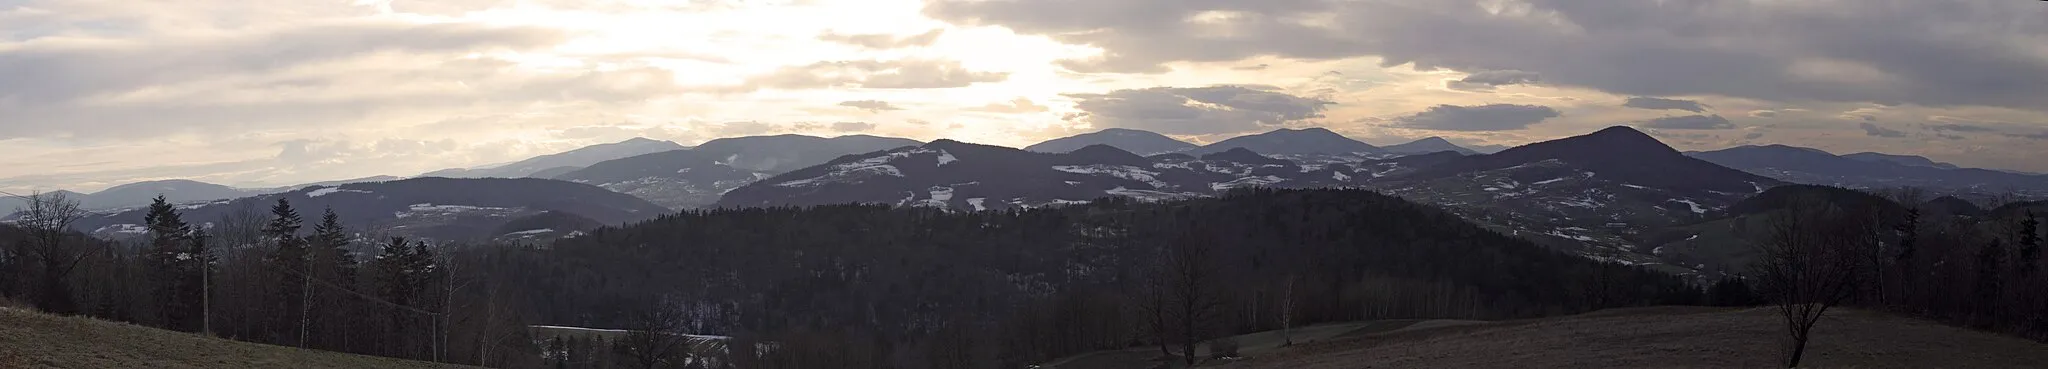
point(1798, 351)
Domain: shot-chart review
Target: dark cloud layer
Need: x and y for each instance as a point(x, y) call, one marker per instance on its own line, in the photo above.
point(1932, 52)
point(1654, 103)
point(1488, 80)
point(1875, 131)
point(54, 71)
point(1196, 110)
point(1495, 117)
point(1689, 122)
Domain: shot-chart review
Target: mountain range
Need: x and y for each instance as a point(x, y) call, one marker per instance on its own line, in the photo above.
point(1429, 145)
point(431, 207)
point(1597, 194)
point(563, 162)
point(140, 193)
point(1134, 141)
point(1868, 170)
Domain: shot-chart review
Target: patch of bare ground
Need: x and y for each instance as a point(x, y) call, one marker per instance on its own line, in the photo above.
point(30, 340)
point(1666, 337)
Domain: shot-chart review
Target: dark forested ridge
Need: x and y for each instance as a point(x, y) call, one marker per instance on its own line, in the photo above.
point(1035, 284)
point(439, 208)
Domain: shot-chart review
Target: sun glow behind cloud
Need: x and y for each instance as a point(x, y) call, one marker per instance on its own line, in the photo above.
point(218, 81)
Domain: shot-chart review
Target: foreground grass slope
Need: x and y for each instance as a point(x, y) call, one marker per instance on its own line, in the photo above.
point(1668, 337)
point(33, 340)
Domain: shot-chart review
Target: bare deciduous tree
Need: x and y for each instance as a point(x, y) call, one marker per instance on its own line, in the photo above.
point(48, 217)
point(656, 337)
point(1810, 263)
point(1191, 293)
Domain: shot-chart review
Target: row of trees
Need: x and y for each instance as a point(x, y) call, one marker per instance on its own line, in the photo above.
point(264, 278)
point(1885, 252)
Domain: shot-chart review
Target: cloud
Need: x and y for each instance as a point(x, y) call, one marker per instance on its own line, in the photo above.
point(1874, 131)
point(1959, 124)
point(1495, 117)
point(1960, 128)
point(1753, 135)
point(1653, 103)
point(58, 70)
point(1019, 106)
point(1764, 50)
point(1251, 67)
point(885, 41)
point(853, 126)
point(743, 128)
point(1863, 114)
point(1195, 110)
point(872, 106)
point(1689, 122)
point(1485, 81)
point(1763, 113)
point(895, 74)
point(2031, 136)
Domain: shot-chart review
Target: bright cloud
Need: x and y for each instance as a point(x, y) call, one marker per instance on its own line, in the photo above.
point(99, 93)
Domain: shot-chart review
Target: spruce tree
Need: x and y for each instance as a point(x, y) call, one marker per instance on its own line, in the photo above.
point(288, 259)
point(173, 268)
point(2030, 245)
point(1989, 287)
point(335, 265)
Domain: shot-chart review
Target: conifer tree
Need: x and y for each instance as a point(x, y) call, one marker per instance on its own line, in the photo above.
point(1989, 288)
point(174, 269)
point(2029, 245)
point(332, 264)
point(288, 259)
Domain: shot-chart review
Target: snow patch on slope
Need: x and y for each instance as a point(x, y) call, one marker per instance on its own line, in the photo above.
point(1119, 171)
point(1696, 208)
point(331, 191)
point(1245, 182)
point(853, 171)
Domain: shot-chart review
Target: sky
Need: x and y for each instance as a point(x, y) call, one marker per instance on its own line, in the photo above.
point(95, 93)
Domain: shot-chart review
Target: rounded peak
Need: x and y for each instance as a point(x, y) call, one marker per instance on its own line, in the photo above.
point(1315, 130)
point(1619, 131)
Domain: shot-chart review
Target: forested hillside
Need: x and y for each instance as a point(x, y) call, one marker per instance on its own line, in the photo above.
point(866, 286)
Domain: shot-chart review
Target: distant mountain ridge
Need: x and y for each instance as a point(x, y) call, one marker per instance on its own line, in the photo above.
point(577, 158)
point(782, 153)
point(1139, 142)
point(438, 208)
point(1619, 153)
point(677, 179)
point(141, 193)
point(1292, 141)
point(1429, 145)
point(1868, 170)
point(1906, 160)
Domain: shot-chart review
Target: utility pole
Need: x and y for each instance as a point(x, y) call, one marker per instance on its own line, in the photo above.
point(206, 292)
point(306, 300)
